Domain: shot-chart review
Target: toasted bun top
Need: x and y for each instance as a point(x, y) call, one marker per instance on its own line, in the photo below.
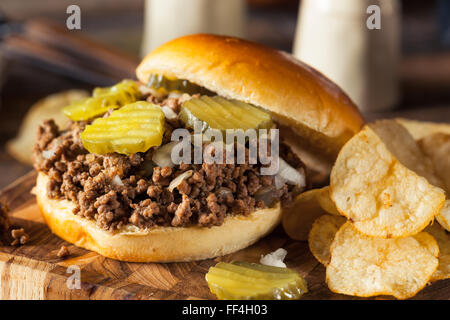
point(298, 96)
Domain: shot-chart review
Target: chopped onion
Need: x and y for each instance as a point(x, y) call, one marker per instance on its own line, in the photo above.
point(47, 154)
point(278, 181)
point(176, 182)
point(169, 113)
point(184, 97)
point(117, 181)
point(265, 194)
point(291, 175)
point(147, 168)
point(274, 259)
point(223, 192)
point(50, 153)
point(145, 90)
point(162, 156)
point(175, 94)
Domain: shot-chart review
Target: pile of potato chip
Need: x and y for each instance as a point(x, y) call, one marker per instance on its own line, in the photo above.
point(50, 107)
point(381, 227)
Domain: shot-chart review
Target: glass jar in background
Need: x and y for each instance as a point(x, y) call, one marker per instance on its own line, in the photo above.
point(169, 19)
point(333, 37)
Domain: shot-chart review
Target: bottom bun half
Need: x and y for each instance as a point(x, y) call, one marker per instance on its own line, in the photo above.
point(159, 244)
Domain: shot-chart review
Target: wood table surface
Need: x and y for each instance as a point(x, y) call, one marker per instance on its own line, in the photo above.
point(34, 271)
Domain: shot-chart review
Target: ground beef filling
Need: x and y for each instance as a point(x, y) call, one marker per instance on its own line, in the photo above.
point(116, 190)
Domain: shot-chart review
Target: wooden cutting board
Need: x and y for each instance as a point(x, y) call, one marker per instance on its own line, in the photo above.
point(34, 271)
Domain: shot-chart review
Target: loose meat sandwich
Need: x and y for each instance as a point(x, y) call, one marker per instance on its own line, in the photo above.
point(111, 182)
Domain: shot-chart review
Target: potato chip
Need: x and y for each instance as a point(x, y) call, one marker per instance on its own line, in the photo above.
point(421, 129)
point(405, 149)
point(381, 196)
point(437, 148)
point(364, 266)
point(324, 200)
point(443, 217)
point(47, 108)
point(443, 240)
point(308, 206)
point(321, 236)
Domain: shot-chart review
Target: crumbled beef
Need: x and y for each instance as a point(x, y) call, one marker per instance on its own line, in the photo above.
point(183, 212)
point(19, 236)
point(115, 190)
point(63, 252)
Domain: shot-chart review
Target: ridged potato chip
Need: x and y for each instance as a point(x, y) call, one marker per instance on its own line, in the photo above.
point(421, 129)
point(321, 236)
point(324, 199)
point(405, 149)
point(308, 206)
point(134, 128)
point(364, 266)
point(442, 238)
point(437, 148)
point(443, 217)
point(50, 107)
point(381, 196)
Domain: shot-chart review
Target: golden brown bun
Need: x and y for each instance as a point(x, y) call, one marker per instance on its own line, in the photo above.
point(161, 244)
point(298, 96)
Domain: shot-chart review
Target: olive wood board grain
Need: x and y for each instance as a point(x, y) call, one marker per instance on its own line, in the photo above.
point(34, 271)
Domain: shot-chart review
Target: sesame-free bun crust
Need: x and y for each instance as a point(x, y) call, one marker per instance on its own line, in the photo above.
point(299, 97)
point(160, 244)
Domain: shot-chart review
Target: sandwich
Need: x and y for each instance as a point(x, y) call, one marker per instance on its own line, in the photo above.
point(137, 177)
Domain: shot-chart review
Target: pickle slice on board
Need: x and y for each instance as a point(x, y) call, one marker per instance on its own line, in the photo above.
point(249, 281)
point(134, 128)
point(220, 113)
point(102, 100)
point(164, 85)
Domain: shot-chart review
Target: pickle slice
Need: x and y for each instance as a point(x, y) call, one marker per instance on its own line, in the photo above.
point(220, 113)
point(134, 128)
point(164, 85)
point(102, 100)
point(251, 281)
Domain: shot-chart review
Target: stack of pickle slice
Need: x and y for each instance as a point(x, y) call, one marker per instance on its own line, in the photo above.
point(222, 114)
point(252, 281)
point(134, 128)
point(102, 100)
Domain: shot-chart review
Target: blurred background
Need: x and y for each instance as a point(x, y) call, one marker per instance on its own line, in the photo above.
point(402, 69)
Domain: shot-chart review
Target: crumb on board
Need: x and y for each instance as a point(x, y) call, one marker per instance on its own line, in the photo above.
point(63, 252)
point(19, 236)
